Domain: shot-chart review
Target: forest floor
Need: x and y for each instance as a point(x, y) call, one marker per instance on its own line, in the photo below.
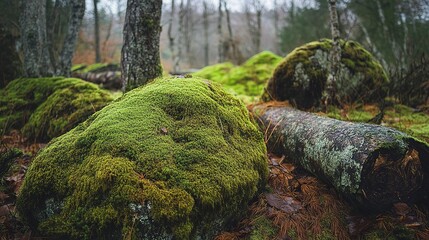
point(296, 206)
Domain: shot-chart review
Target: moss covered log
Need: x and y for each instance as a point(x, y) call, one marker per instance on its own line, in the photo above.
point(301, 77)
point(44, 108)
point(176, 159)
point(372, 165)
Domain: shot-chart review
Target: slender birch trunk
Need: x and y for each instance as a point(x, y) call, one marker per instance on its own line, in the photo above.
point(335, 54)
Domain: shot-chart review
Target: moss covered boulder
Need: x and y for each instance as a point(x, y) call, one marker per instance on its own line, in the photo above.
point(301, 76)
point(44, 108)
point(176, 159)
point(246, 81)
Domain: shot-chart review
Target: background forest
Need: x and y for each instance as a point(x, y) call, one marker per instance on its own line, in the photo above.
point(259, 123)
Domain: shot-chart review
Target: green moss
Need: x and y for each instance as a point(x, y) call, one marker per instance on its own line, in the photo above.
point(177, 157)
point(245, 81)
point(6, 160)
point(78, 67)
point(95, 68)
point(47, 107)
point(263, 229)
point(301, 76)
point(399, 116)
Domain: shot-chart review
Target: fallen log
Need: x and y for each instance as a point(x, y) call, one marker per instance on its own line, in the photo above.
point(371, 165)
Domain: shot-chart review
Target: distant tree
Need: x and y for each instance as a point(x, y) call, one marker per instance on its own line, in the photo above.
point(206, 33)
point(75, 20)
point(300, 26)
point(96, 32)
point(253, 11)
point(221, 55)
point(140, 52)
point(34, 39)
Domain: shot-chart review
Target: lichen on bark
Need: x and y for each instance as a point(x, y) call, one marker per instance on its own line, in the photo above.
point(140, 52)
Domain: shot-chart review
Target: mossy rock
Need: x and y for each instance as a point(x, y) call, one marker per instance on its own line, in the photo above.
point(176, 159)
point(44, 108)
point(246, 81)
point(301, 76)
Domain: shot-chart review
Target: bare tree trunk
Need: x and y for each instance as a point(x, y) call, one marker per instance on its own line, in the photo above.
point(259, 30)
point(220, 34)
point(189, 32)
point(206, 33)
point(254, 25)
point(65, 61)
point(276, 27)
point(96, 32)
point(108, 34)
point(171, 37)
point(181, 37)
point(335, 54)
point(371, 165)
point(230, 44)
point(34, 39)
point(140, 53)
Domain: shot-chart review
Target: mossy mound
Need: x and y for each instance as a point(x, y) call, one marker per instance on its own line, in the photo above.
point(176, 159)
point(246, 81)
point(302, 75)
point(44, 108)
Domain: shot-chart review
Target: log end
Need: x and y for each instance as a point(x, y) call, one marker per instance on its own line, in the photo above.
point(390, 178)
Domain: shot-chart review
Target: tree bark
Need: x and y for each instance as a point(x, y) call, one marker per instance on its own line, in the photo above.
point(65, 61)
point(171, 37)
point(96, 32)
point(206, 33)
point(176, 67)
point(220, 57)
point(371, 165)
point(34, 39)
point(335, 54)
point(140, 53)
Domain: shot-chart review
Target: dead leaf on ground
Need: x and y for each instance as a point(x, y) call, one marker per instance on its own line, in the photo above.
point(401, 209)
point(283, 203)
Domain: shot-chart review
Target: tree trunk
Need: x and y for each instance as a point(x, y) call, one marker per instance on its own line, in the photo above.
point(335, 54)
point(176, 67)
point(140, 53)
point(170, 35)
point(220, 34)
point(371, 165)
point(34, 39)
point(258, 30)
point(65, 61)
point(96, 32)
point(206, 33)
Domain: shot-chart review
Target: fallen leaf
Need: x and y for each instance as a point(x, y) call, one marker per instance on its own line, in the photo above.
point(401, 209)
point(3, 196)
point(164, 130)
point(283, 203)
point(276, 160)
point(4, 210)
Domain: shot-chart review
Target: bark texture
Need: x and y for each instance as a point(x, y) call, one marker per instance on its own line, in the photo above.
point(34, 39)
point(206, 33)
point(335, 54)
point(75, 21)
point(373, 166)
point(140, 53)
point(97, 32)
